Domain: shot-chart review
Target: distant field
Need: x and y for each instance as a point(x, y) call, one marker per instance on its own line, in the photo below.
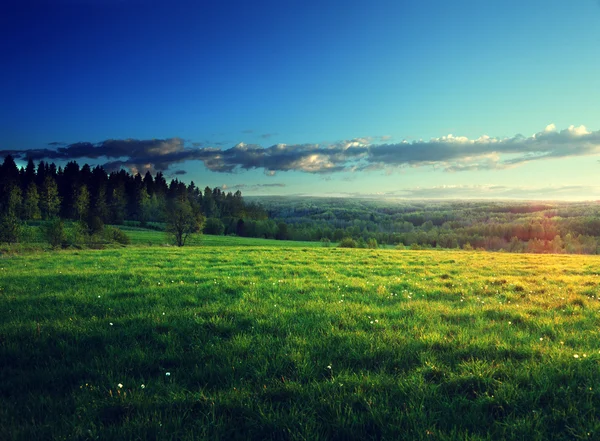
point(306, 343)
point(141, 236)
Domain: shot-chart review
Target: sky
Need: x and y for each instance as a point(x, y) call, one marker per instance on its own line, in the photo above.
point(409, 99)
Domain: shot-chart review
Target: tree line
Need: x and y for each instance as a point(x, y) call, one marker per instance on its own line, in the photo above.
point(92, 197)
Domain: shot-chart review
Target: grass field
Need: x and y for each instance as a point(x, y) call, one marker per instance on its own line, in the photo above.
point(142, 236)
point(306, 343)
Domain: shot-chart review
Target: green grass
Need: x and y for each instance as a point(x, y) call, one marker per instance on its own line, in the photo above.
point(260, 342)
point(142, 236)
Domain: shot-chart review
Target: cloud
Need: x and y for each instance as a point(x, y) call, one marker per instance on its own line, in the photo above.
point(179, 172)
point(456, 153)
point(253, 187)
point(497, 192)
point(570, 192)
point(267, 135)
point(449, 153)
point(56, 143)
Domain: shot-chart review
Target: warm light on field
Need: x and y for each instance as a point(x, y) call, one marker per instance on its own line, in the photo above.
point(299, 343)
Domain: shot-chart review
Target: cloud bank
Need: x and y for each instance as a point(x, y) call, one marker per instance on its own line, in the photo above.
point(476, 192)
point(449, 153)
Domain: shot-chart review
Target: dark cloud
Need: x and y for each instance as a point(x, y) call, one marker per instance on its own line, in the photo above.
point(449, 153)
point(247, 131)
point(267, 135)
point(180, 172)
point(56, 143)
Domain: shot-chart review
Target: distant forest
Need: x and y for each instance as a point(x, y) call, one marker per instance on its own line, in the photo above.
point(513, 226)
point(92, 196)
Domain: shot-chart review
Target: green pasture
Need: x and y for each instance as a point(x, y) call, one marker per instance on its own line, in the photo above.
point(229, 340)
point(142, 236)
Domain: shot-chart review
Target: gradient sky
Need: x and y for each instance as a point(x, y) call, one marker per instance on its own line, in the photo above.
point(419, 99)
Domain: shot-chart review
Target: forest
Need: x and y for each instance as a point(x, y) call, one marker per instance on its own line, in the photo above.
point(91, 197)
point(513, 226)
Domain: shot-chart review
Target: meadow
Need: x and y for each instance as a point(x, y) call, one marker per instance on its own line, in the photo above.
point(264, 340)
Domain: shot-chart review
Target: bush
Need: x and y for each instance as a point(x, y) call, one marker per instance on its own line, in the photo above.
point(112, 234)
point(372, 243)
point(10, 229)
point(214, 227)
point(325, 242)
point(95, 225)
point(54, 232)
point(347, 242)
point(78, 234)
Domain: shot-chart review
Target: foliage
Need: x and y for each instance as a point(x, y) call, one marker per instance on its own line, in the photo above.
point(112, 234)
point(557, 227)
point(54, 232)
point(10, 228)
point(81, 194)
point(31, 203)
point(266, 343)
point(49, 199)
point(213, 226)
point(183, 221)
point(347, 242)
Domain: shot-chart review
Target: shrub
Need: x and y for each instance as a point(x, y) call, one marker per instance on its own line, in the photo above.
point(113, 234)
point(372, 243)
point(347, 242)
point(78, 234)
point(10, 229)
point(325, 242)
point(54, 232)
point(95, 225)
point(214, 227)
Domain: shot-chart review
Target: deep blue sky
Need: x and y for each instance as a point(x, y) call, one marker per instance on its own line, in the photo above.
point(326, 97)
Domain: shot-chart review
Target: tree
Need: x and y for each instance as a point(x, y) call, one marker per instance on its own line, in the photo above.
point(31, 203)
point(49, 198)
point(11, 203)
point(10, 224)
point(54, 232)
point(182, 221)
point(81, 202)
point(347, 242)
point(214, 227)
point(10, 229)
point(118, 204)
point(282, 231)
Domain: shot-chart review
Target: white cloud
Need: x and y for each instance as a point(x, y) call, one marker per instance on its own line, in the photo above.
point(578, 131)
